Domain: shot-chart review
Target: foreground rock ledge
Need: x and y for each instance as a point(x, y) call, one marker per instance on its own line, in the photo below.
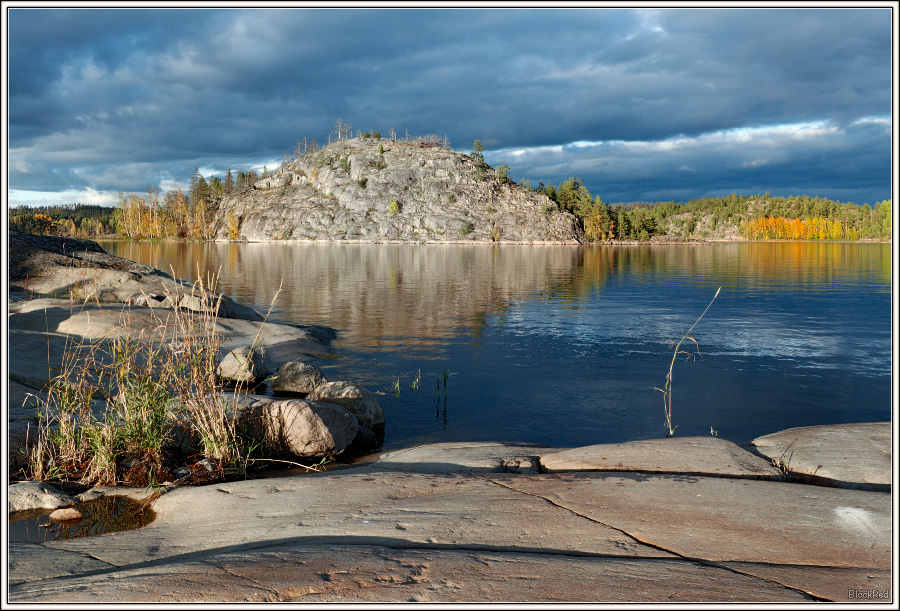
point(684, 455)
point(444, 522)
point(854, 455)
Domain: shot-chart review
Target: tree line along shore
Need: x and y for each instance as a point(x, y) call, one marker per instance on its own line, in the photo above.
point(189, 214)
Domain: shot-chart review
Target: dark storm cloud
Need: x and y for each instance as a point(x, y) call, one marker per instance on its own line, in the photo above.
point(122, 99)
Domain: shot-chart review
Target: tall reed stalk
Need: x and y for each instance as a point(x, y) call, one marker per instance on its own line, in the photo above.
point(667, 390)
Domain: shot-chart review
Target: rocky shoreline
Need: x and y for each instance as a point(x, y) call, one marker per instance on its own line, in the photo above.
point(799, 515)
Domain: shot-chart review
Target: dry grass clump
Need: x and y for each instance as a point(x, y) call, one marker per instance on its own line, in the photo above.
point(157, 383)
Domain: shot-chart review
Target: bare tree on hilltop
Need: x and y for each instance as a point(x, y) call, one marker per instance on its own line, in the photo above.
point(342, 130)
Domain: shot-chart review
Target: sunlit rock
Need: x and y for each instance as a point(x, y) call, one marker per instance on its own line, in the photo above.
point(297, 377)
point(353, 397)
point(299, 428)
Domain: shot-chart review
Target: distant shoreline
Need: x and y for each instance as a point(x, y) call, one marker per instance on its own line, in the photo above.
point(656, 241)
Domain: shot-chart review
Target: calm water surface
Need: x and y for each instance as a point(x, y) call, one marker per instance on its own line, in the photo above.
point(564, 345)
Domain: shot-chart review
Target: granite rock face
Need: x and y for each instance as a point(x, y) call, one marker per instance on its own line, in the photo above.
point(449, 522)
point(382, 190)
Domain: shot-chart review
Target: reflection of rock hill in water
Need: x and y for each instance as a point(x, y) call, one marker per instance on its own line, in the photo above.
point(423, 291)
point(411, 291)
point(381, 190)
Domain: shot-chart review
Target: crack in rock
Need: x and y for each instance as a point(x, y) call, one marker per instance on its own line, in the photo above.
point(700, 561)
point(275, 595)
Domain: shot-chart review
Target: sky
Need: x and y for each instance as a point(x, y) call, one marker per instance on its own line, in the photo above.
point(641, 104)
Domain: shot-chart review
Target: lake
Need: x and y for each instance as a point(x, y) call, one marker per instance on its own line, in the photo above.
point(564, 345)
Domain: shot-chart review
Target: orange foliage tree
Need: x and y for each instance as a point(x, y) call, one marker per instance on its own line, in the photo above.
point(780, 228)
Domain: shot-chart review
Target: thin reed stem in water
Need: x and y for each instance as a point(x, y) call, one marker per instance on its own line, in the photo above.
point(667, 390)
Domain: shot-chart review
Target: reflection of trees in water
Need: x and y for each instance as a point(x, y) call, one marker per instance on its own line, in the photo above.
point(104, 515)
point(754, 265)
point(384, 294)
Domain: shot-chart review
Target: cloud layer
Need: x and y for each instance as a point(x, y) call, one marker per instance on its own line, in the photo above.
point(644, 105)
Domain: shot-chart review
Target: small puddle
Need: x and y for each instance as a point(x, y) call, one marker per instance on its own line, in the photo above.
point(104, 515)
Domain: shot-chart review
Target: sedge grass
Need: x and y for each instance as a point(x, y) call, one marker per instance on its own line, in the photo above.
point(154, 380)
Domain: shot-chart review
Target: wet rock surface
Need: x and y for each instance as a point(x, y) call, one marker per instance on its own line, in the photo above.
point(65, 514)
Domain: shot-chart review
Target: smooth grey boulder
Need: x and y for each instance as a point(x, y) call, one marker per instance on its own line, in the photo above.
point(243, 365)
point(297, 377)
point(845, 455)
point(299, 428)
point(685, 455)
point(353, 397)
point(26, 496)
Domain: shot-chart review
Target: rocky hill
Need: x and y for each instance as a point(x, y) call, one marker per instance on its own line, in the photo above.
point(383, 190)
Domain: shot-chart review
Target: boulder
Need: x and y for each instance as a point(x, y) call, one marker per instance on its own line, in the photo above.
point(297, 377)
point(299, 428)
point(66, 514)
point(242, 364)
point(353, 397)
point(26, 496)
